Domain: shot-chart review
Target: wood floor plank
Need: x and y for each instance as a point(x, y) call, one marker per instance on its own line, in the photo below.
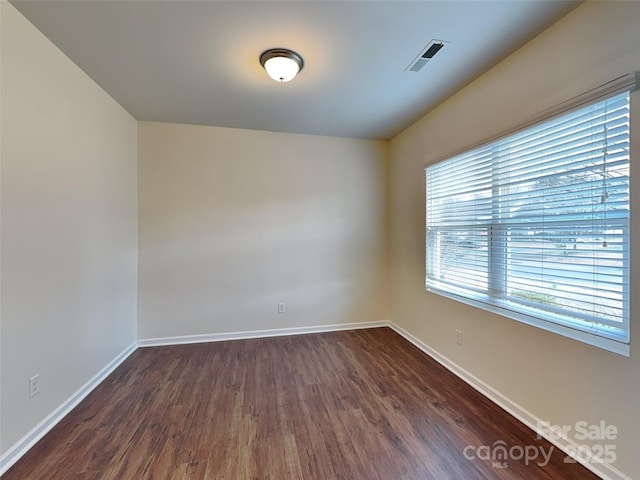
point(357, 405)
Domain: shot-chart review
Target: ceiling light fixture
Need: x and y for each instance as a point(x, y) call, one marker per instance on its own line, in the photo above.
point(281, 64)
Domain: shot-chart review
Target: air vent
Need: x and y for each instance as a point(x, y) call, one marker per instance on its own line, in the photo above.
point(421, 62)
point(432, 50)
point(433, 47)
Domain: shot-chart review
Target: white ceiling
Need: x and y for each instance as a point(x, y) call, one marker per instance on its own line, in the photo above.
point(196, 62)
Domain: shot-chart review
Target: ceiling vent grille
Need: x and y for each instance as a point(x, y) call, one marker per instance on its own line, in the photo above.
point(427, 53)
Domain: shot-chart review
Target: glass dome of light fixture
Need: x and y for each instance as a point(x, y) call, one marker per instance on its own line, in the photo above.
point(281, 64)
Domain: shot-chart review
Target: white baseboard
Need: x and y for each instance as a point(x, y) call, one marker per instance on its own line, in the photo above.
point(15, 452)
point(566, 444)
point(11, 456)
point(274, 332)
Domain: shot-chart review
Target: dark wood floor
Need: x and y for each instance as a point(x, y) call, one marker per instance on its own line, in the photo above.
point(362, 404)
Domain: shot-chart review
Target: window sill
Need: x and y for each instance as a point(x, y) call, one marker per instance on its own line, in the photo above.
point(610, 345)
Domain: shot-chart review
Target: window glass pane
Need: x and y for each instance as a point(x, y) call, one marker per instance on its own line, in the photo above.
point(538, 222)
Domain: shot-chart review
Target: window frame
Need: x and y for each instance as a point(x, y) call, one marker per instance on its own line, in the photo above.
point(628, 83)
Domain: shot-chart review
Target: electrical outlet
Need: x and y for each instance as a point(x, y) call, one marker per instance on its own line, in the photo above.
point(282, 307)
point(459, 337)
point(34, 386)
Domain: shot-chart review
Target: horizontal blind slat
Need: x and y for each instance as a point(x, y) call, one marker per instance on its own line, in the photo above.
point(540, 219)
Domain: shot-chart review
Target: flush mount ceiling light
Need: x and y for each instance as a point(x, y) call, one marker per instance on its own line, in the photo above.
point(281, 64)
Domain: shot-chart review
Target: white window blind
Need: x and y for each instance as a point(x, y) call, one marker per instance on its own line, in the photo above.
point(535, 225)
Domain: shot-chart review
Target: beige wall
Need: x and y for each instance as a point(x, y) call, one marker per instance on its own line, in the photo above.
point(69, 234)
point(231, 222)
point(234, 221)
point(557, 379)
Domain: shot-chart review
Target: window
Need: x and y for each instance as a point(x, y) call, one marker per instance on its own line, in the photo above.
point(535, 225)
